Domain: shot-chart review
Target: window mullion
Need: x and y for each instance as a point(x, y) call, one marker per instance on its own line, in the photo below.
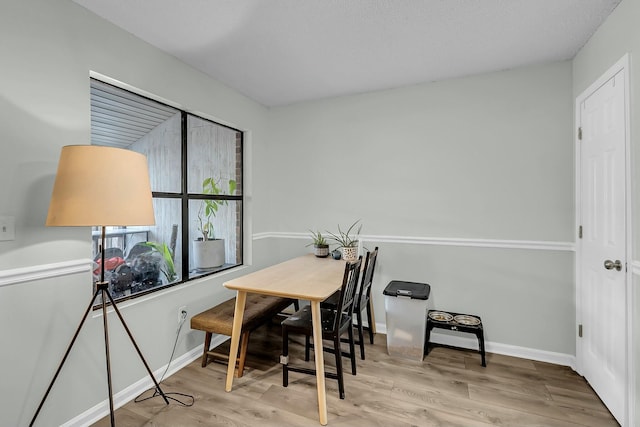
point(186, 247)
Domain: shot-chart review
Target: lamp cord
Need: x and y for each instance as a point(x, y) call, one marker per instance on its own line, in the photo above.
point(190, 398)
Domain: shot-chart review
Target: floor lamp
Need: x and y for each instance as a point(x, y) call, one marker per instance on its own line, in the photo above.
point(101, 186)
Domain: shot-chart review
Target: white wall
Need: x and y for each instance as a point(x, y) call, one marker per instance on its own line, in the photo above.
point(620, 34)
point(488, 158)
point(47, 51)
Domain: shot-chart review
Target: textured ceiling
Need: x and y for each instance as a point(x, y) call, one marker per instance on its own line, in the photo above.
point(279, 52)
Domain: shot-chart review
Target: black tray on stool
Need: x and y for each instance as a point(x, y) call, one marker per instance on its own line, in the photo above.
point(448, 321)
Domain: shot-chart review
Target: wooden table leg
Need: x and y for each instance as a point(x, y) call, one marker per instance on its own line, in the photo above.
point(241, 298)
point(317, 348)
point(373, 317)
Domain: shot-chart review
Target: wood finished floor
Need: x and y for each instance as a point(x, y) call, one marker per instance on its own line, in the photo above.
point(448, 388)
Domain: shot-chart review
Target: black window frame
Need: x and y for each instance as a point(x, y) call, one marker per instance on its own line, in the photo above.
point(184, 196)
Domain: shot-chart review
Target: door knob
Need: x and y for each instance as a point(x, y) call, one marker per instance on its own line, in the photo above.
point(610, 265)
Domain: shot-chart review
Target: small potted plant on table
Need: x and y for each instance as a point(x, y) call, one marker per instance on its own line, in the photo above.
point(320, 245)
point(348, 241)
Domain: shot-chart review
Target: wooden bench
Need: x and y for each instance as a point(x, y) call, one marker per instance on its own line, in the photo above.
point(259, 309)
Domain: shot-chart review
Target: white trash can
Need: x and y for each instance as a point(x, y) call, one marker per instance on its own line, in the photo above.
point(405, 305)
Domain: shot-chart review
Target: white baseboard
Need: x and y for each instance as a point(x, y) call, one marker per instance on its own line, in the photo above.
point(101, 410)
point(498, 348)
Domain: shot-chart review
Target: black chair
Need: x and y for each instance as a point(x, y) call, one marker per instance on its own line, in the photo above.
point(335, 322)
point(362, 301)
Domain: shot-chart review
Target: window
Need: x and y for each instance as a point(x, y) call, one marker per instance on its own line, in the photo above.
point(195, 169)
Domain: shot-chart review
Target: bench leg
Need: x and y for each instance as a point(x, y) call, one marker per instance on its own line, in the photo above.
point(244, 344)
point(207, 343)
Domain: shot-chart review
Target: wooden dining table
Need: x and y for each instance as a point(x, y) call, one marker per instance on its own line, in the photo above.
point(306, 278)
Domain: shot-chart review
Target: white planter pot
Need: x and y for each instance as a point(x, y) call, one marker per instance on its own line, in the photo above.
point(350, 253)
point(208, 254)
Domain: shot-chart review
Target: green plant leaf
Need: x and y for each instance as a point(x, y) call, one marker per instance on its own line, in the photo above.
point(318, 238)
point(346, 239)
point(209, 208)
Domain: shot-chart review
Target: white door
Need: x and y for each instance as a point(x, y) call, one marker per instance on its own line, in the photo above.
point(603, 247)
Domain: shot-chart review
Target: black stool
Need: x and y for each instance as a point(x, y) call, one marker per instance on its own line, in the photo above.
point(456, 322)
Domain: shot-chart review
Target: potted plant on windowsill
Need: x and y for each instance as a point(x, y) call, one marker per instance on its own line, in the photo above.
point(208, 252)
point(320, 245)
point(348, 241)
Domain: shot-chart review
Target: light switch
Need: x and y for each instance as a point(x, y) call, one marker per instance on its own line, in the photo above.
point(7, 228)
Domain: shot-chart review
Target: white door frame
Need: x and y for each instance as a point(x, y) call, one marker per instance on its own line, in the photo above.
point(622, 65)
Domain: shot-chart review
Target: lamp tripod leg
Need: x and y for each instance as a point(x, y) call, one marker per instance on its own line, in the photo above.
point(133, 341)
point(64, 358)
point(104, 289)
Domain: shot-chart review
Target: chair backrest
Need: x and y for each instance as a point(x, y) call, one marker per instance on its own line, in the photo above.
point(347, 291)
point(367, 279)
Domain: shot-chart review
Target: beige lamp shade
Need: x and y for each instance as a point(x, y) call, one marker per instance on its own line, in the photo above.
point(101, 186)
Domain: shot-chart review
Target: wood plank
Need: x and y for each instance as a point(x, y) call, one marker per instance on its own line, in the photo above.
point(548, 408)
point(577, 398)
point(448, 388)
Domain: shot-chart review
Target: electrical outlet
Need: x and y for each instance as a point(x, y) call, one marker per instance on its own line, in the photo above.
point(182, 313)
point(7, 228)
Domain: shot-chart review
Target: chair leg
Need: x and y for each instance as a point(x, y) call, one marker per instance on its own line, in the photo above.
point(307, 347)
point(207, 344)
point(370, 320)
point(352, 350)
point(285, 354)
point(338, 354)
point(360, 334)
